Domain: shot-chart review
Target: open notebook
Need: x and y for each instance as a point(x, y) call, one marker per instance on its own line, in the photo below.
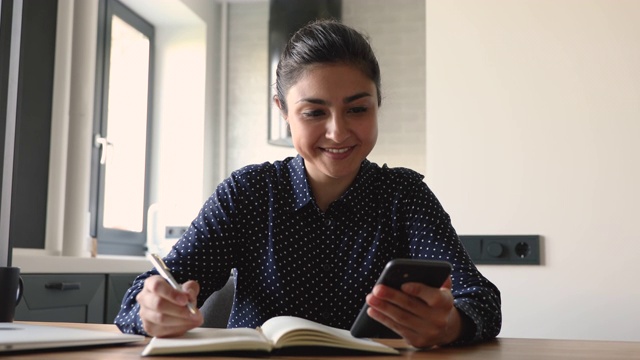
point(17, 336)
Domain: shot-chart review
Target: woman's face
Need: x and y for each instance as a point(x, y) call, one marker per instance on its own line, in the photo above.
point(332, 113)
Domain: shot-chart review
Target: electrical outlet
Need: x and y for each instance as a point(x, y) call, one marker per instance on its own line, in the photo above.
point(503, 249)
point(174, 232)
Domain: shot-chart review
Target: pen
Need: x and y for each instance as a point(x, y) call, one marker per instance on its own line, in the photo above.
point(163, 270)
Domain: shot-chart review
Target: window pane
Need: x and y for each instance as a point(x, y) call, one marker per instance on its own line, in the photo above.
point(126, 128)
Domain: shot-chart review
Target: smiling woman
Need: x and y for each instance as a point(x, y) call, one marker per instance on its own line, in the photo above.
point(308, 235)
point(396, 30)
point(332, 112)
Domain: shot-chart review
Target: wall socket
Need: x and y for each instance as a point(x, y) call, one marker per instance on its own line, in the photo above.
point(503, 249)
point(174, 232)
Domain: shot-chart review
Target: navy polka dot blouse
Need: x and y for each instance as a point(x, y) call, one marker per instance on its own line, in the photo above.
point(290, 258)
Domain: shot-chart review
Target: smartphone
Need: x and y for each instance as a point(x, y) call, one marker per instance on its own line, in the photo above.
point(432, 273)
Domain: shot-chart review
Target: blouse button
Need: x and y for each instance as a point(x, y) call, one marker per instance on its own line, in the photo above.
point(327, 222)
point(326, 267)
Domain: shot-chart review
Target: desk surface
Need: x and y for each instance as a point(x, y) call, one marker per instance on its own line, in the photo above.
point(501, 348)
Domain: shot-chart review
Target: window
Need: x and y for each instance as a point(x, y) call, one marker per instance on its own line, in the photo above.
point(122, 131)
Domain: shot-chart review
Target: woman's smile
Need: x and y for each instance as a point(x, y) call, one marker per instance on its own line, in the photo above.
point(333, 121)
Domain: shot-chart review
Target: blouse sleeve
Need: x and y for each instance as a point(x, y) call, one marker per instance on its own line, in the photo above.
point(432, 236)
point(190, 258)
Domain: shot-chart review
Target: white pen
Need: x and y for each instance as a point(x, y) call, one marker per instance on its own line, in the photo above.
point(163, 270)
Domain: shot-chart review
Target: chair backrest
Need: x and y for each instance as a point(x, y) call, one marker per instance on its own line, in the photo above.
point(217, 308)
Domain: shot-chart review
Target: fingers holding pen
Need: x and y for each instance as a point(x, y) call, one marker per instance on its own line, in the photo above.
point(192, 288)
point(164, 310)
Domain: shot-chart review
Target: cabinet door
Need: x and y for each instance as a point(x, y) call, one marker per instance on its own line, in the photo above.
point(62, 297)
point(117, 286)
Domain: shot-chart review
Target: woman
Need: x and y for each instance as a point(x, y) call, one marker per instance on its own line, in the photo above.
point(308, 236)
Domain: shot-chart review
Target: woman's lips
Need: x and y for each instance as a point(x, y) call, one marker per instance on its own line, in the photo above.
point(338, 153)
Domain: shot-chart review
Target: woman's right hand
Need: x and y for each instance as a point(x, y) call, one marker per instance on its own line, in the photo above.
point(164, 310)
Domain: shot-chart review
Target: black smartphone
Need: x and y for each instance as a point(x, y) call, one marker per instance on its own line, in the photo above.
point(432, 273)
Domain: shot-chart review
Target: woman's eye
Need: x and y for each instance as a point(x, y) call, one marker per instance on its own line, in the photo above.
point(358, 109)
point(313, 113)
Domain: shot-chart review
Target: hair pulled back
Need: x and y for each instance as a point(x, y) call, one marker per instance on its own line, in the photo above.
point(324, 42)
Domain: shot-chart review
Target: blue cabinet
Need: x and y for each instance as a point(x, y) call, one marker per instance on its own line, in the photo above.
point(62, 297)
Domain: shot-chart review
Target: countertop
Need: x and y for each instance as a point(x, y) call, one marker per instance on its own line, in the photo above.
point(39, 264)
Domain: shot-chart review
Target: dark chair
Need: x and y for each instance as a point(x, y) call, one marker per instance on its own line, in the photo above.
point(217, 308)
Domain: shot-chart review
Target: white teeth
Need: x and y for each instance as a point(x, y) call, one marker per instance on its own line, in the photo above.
point(338, 151)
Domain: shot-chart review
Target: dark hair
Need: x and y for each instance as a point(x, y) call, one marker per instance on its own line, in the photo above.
point(324, 41)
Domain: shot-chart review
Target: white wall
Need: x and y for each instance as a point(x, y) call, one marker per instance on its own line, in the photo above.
point(533, 114)
point(212, 13)
point(397, 35)
point(247, 87)
point(179, 119)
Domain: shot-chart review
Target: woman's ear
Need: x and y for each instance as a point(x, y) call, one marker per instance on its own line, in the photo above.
point(280, 106)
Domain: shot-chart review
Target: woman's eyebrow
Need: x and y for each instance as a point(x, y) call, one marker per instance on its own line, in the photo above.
point(313, 101)
point(355, 97)
point(346, 100)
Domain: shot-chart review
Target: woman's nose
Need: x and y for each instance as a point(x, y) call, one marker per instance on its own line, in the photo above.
point(338, 129)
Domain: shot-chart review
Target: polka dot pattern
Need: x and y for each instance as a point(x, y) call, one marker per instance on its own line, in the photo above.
point(290, 258)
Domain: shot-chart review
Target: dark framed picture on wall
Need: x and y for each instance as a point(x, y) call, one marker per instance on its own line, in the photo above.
point(285, 18)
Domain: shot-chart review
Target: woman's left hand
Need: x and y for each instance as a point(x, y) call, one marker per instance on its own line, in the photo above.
point(422, 315)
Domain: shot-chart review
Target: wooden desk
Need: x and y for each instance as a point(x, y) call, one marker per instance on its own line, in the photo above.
point(501, 348)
